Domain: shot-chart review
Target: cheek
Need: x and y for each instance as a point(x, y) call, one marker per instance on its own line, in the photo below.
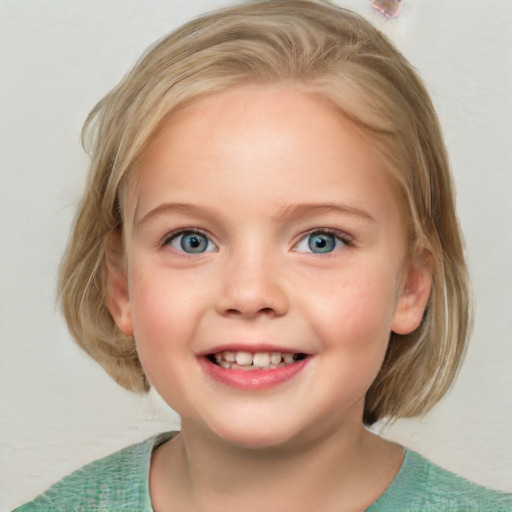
point(354, 312)
point(159, 314)
point(354, 328)
point(163, 327)
point(159, 298)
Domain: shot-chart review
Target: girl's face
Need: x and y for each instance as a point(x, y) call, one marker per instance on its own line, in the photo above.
point(261, 229)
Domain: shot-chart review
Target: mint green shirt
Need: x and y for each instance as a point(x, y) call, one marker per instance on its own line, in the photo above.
point(120, 482)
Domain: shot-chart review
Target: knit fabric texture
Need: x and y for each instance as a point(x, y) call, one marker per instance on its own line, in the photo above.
point(120, 482)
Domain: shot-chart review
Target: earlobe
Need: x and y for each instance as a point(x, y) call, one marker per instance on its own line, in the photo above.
point(414, 294)
point(117, 299)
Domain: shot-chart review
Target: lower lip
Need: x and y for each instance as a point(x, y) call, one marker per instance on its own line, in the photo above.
point(252, 380)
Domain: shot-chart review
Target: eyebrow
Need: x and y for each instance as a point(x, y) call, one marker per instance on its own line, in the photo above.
point(306, 209)
point(289, 212)
point(170, 207)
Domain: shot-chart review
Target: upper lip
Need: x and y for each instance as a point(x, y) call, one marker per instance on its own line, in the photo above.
point(249, 347)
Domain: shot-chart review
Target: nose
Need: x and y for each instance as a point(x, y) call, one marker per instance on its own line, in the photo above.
point(252, 287)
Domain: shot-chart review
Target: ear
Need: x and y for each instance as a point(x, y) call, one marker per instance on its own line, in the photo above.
point(414, 294)
point(117, 300)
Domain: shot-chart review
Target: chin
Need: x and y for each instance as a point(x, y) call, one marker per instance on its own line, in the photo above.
point(256, 436)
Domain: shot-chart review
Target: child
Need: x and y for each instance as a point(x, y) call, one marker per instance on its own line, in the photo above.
point(269, 238)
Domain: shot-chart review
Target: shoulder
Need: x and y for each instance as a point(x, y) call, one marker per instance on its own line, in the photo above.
point(119, 481)
point(449, 489)
point(422, 485)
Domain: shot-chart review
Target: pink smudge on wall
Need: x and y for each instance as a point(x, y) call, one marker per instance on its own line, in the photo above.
point(390, 8)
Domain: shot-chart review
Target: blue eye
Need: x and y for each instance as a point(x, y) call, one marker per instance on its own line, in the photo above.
point(320, 242)
point(191, 242)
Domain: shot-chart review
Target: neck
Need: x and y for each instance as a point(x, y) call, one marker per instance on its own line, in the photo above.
point(347, 469)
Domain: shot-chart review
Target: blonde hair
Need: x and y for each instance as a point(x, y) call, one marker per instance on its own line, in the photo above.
point(308, 43)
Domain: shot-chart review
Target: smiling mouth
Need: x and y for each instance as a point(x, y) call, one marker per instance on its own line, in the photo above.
point(242, 360)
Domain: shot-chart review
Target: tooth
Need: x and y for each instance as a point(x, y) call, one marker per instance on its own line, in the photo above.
point(275, 358)
point(288, 358)
point(229, 356)
point(261, 359)
point(224, 364)
point(243, 358)
point(218, 357)
point(235, 366)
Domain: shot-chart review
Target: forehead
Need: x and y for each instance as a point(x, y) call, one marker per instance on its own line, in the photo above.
point(274, 144)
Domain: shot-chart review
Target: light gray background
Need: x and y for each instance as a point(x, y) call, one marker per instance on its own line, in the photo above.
point(59, 410)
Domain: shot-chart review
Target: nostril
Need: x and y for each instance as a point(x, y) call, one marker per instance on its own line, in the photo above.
point(251, 300)
point(261, 311)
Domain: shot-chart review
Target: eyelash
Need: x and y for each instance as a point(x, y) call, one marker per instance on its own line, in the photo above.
point(183, 231)
point(339, 235)
point(343, 237)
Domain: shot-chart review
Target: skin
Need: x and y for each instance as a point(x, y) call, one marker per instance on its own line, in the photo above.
point(254, 168)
